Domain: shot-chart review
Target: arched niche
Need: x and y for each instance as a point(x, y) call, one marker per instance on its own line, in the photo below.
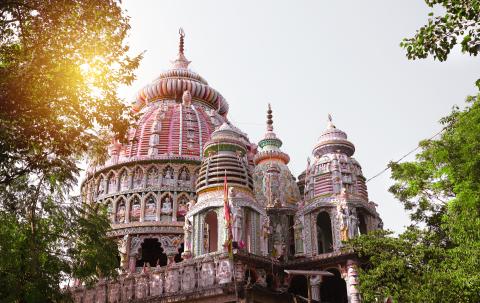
point(100, 188)
point(110, 211)
point(183, 175)
point(166, 208)
point(138, 177)
point(124, 180)
point(362, 223)
point(121, 211)
point(150, 207)
point(168, 176)
point(153, 176)
point(324, 233)
point(182, 207)
point(333, 289)
point(211, 232)
point(135, 209)
point(111, 183)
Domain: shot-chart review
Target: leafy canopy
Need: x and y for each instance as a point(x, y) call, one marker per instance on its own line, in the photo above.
point(458, 25)
point(435, 259)
point(61, 63)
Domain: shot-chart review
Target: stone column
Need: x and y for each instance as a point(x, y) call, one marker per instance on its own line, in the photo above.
point(174, 207)
point(132, 262)
point(315, 285)
point(351, 278)
point(159, 205)
point(142, 209)
point(127, 211)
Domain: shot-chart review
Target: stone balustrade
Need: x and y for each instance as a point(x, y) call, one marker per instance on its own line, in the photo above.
point(204, 276)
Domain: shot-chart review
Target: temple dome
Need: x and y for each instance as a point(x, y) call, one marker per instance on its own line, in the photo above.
point(333, 169)
point(333, 140)
point(225, 155)
point(172, 83)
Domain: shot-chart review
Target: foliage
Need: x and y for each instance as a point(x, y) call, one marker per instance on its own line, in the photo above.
point(458, 25)
point(61, 63)
point(436, 259)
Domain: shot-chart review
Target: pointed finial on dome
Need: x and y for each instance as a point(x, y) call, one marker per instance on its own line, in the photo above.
point(330, 122)
point(269, 118)
point(182, 43)
point(181, 62)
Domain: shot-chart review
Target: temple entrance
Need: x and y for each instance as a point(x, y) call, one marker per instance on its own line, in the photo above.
point(298, 286)
point(211, 230)
point(333, 289)
point(324, 233)
point(151, 253)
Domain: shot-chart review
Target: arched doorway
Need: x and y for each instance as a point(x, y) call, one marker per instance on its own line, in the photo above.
point(298, 286)
point(324, 233)
point(333, 289)
point(151, 252)
point(211, 232)
point(362, 224)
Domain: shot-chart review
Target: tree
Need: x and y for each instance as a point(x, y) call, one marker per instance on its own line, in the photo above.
point(436, 258)
point(61, 63)
point(459, 24)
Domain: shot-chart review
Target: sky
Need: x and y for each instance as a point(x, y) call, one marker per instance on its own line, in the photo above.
point(309, 59)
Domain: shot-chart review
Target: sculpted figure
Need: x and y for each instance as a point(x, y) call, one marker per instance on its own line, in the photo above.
point(353, 223)
point(187, 233)
point(167, 206)
point(121, 213)
point(343, 220)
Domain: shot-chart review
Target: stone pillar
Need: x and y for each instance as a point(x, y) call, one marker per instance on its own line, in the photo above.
point(159, 205)
point(174, 207)
point(142, 209)
point(315, 285)
point(127, 211)
point(132, 262)
point(351, 278)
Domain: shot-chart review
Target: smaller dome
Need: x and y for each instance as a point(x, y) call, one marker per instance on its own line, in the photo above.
point(227, 135)
point(333, 140)
point(225, 155)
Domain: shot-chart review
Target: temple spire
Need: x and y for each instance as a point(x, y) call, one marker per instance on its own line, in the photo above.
point(330, 122)
point(181, 62)
point(269, 118)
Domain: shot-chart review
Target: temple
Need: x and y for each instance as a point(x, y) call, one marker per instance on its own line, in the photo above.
point(201, 214)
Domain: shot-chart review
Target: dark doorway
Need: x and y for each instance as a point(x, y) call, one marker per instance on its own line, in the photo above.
point(333, 289)
point(152, 252)
point(362, 224)
point(298, 286)
point(211, 225)
point(324, 233)
point(178, 257)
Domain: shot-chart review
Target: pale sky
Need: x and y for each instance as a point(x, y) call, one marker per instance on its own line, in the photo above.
point(308, 59)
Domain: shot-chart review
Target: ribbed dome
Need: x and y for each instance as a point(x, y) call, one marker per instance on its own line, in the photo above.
point(169, 128)
point(172, 83)
point(333, 140)
point(224, 154)
point(333, 170)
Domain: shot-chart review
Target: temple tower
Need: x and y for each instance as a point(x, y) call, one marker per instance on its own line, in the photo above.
point(225, 157)
point(336, 206)
point(148, 181)
point(276, 190)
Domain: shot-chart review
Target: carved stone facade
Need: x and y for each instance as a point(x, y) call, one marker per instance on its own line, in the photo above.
point(201, 214)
